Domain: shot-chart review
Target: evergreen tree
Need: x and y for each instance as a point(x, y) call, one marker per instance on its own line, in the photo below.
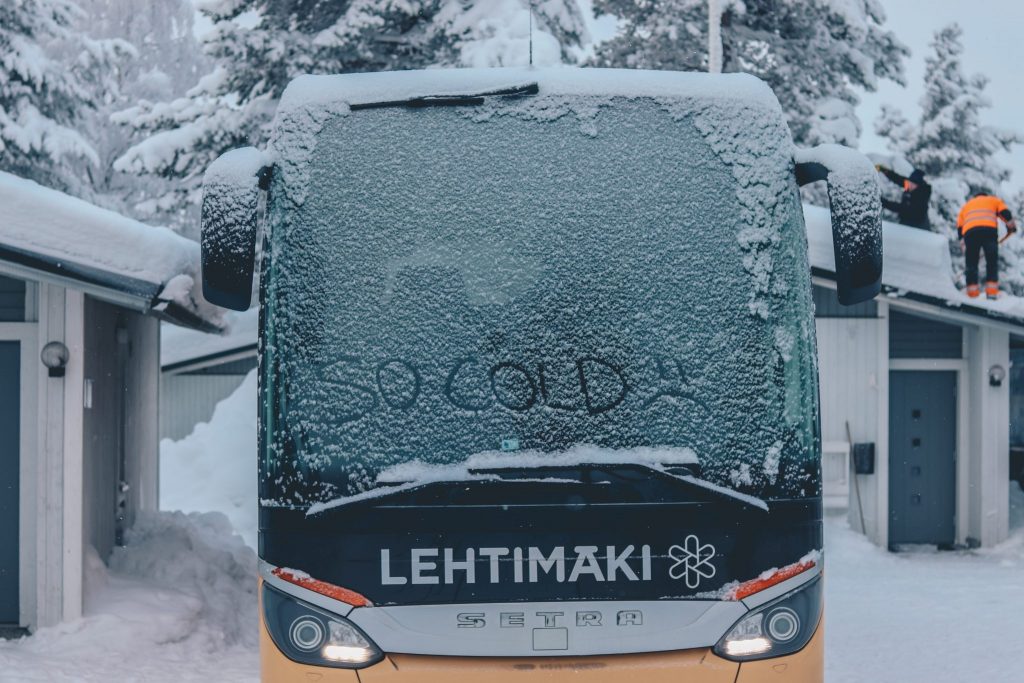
point(949, 142)
point(813, 53)
point(167, 63)
point(1011, 252)
point(258, 47)
point(50, 75)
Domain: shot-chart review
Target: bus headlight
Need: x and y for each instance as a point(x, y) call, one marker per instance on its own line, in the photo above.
point(781, 627)
point(311, 635)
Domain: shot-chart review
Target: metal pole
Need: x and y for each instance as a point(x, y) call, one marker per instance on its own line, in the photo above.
point(531, 32)
point(715, 36)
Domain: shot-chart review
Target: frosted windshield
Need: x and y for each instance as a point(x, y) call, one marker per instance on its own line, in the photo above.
point(459, 281)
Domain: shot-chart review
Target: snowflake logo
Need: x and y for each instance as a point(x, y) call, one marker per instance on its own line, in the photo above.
point(692, 561)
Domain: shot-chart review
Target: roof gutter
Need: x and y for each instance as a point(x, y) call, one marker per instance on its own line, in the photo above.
point(124, 291)
point(127, 292)
point(965, 313)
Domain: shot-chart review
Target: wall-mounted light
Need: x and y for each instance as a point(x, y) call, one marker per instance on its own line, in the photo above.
point(55, 357)
point(996, 375)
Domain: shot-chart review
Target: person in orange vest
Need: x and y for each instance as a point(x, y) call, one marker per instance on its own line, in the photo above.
point(978, 229)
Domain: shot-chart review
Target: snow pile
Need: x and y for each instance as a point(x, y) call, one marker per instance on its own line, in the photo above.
point(177, 604)
point(214, 467)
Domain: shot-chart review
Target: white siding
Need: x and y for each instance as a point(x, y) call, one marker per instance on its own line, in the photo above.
point(989, 450)
point(186, 400)
point(852, 362)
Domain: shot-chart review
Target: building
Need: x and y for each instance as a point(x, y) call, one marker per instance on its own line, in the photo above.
point(82, 294)
point(921, 379)
point(200, 370)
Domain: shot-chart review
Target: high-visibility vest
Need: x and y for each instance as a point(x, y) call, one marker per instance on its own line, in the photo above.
point(981, 212)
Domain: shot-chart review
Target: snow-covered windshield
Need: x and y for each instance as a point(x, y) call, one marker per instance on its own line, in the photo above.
point(624, 274)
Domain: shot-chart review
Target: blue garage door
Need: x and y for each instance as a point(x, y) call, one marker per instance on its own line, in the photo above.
point(10, 412)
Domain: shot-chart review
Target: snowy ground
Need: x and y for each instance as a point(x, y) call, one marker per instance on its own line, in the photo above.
point(932, 617)
point(178, 603)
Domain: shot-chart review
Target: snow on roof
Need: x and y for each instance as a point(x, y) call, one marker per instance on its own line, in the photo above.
point(46, 231)
point(179, 345)
point(916, 263)
point(392, 86)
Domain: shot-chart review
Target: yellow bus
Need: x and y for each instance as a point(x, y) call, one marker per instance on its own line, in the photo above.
point(538, 393)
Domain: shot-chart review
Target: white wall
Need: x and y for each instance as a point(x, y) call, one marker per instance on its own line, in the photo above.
point(187, 400)
point(53, 579)
point(987, 465)
point(853, 366)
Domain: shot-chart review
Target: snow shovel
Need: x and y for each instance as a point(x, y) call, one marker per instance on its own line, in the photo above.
point(1005, 237)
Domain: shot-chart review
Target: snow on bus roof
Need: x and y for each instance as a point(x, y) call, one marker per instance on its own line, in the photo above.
point(916, 264)
point(394, 86)
point(49, 232)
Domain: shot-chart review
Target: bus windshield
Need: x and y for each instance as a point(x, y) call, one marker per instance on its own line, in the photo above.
point(532, 282)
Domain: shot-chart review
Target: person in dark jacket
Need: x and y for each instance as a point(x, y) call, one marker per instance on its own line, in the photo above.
point(912, 208)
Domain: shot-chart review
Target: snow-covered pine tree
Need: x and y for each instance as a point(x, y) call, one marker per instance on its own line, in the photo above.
point(258, 47)
point(50, 74)
point(813, 53)
point(1011, 252)
point(949, 142)
point(167, 64)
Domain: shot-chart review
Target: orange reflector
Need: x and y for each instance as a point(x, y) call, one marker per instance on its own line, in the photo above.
point(748, 588)
point(306, 581)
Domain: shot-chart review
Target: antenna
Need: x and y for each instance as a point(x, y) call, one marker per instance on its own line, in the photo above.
point(531, 32)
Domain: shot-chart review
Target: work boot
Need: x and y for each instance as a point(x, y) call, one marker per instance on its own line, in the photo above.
point(973, 291)
point(992, 290)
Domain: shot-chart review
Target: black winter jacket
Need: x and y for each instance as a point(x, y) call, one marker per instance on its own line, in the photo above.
point(912, 208)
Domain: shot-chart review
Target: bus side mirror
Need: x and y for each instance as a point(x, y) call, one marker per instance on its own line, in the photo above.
point(856, 207)
point(231, 192)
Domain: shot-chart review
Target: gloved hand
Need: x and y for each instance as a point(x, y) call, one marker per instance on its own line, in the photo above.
point(1010, 229)
point(880, 167)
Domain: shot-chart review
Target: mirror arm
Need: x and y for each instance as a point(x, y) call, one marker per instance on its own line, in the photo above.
point(809, 172)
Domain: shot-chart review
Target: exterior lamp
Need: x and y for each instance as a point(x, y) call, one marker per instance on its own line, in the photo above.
point(996, 375)
point(55, 357)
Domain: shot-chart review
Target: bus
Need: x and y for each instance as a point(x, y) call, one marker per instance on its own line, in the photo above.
point(538, 390)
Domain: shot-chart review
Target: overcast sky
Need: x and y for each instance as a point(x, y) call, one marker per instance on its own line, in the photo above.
point(993, 45)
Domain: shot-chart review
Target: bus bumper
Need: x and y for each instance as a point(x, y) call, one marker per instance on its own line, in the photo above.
point(694, 666)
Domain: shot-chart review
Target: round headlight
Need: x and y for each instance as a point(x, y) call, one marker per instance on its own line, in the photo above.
point(783, 624)
point(306, 633)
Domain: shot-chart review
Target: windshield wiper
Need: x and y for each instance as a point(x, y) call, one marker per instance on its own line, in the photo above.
point(451, 100)
point(587, 483)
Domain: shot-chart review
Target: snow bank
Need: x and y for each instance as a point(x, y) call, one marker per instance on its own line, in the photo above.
point(915, 261)
point(177, 604)
point(47, 222)
point(214, 467)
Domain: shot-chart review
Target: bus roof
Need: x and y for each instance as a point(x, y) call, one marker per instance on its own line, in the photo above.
point(398, 86)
